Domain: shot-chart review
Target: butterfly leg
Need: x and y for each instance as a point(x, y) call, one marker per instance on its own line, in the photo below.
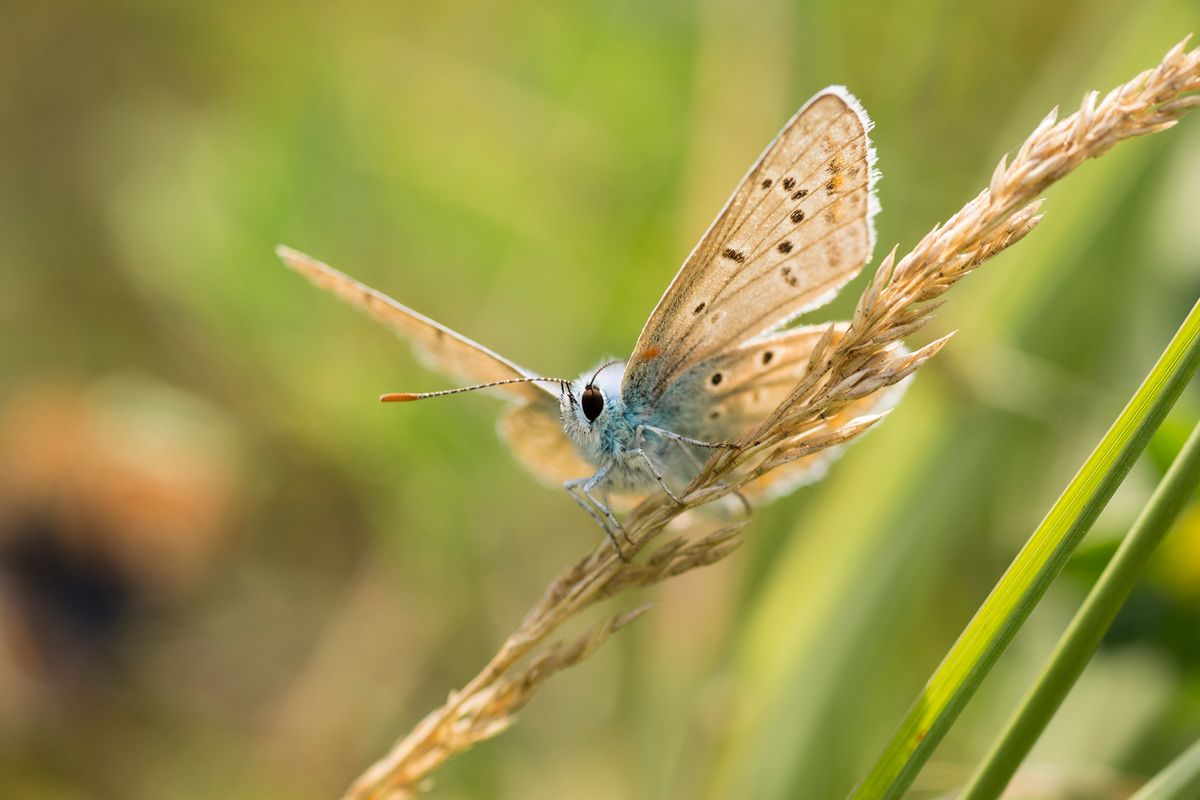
point(588, 486)
point(686, 439)
point(572, 488)
point(683, 442)
point(642, 454)
point(657, 475)
point(698, 465)
point(580, 490)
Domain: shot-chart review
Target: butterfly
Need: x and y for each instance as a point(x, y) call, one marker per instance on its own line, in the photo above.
point(714, 358)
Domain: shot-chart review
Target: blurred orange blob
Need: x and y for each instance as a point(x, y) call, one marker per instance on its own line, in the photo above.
point(113, 499)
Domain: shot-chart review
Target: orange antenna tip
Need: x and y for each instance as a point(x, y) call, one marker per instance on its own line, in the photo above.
point(398, 397)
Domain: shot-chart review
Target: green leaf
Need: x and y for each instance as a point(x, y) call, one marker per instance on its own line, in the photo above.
point(1038, 563)
point(1094, 618)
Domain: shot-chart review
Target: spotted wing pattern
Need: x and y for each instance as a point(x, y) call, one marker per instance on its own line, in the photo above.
point(724, 396)
point(796, 229)
point(441, 347)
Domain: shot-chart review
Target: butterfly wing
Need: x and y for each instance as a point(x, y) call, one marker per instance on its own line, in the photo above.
point(435, 343)
point(534, 432)
point(725, 395)
point(782, 480)
point(797, 228)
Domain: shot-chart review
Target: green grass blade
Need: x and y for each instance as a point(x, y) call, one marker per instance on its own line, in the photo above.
point(1083, 636)
point(1179, 781)
point(1038, 563)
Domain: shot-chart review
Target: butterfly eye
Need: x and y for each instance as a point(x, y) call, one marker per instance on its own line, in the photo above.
point(592, 402)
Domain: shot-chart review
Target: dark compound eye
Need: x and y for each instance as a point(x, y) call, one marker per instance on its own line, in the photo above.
point(592, 402)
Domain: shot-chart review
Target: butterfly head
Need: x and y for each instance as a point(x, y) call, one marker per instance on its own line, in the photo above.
point(588, 404)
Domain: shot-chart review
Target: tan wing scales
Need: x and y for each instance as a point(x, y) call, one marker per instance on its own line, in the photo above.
point(744, 385)
point(797, 228)
point(785, 479)
point(729, 393)
point(755, 378)
point(535, 434)
point(443, 348)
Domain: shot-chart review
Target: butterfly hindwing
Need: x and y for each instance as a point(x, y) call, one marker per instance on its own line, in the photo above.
point(788, 477)
point(722, 397)
point(797, 228)
point(534, 433)
point(443, 348)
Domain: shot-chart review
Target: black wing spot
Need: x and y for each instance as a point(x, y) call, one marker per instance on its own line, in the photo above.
point(766, 184)
point(788, 277)
point(699, 308)
point(736, 256)
point(789, 183)
point(799, 194)
point(717, 378)
point(785, 246)
point(714, 414)
point(767, 356)
point(797, 215)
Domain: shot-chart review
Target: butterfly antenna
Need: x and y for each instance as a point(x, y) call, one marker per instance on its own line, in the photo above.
point(601, 368)
point(408, 397)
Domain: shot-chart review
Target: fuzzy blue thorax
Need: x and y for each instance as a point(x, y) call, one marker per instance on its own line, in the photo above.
point(611, 439)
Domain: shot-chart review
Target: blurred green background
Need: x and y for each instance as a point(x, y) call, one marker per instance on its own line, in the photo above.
point(227, 571)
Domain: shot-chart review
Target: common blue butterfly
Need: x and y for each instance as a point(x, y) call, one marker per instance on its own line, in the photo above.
point(714, 358)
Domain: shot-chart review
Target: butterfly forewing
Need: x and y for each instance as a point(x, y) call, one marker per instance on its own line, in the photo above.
point(441, 347)
point(796, 229)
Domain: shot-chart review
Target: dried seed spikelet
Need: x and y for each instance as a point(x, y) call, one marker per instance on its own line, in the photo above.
point(998, 176)
point(809, 445)
point(866, 303)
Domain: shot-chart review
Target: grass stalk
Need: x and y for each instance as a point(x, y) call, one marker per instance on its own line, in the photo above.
point(1036, 565)
point(1180, 780)
point(1092, 621)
